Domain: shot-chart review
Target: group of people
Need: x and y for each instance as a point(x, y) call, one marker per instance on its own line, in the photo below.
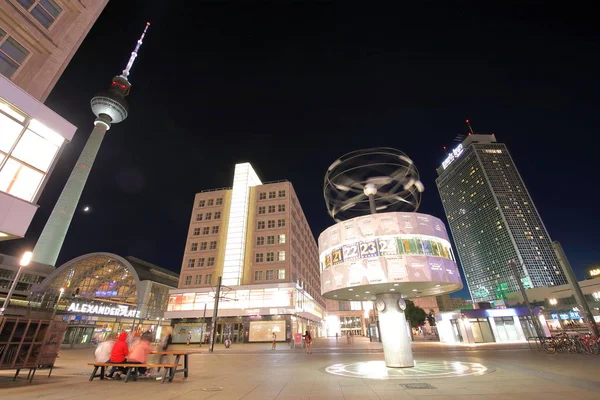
point(135, 351)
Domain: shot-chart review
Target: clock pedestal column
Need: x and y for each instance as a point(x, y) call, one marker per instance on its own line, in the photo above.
point(394, 330)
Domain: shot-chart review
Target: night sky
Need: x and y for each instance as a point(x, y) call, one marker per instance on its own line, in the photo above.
point(290, 87)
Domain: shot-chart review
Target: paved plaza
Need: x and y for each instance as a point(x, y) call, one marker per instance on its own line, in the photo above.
point(255, 372)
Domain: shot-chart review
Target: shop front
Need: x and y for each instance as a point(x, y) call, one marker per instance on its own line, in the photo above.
point(248, 314)
point(503, 325)
point(102, 294)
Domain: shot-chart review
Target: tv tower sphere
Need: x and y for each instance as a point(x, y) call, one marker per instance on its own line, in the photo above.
point(110, 107)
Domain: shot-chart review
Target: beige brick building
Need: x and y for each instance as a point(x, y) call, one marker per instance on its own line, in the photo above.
point(257, 238)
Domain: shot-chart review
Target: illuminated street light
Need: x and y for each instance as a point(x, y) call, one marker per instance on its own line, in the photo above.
point(25, 260)
point(62, 291)
point(553, 302)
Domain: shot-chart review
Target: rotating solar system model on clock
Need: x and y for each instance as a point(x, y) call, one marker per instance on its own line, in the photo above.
point(381, 249)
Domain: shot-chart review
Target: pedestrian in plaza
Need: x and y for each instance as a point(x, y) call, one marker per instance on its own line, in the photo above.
point(308, 341)
point(118, 355)
point(336, 336)
point(189, 337)
point(104, 349)
point(139, 353)
point(165, 341)
point(274, 341)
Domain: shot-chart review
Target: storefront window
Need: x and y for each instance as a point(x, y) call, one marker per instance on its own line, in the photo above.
point(527, 325)
point(482, 331)
point(507, 331)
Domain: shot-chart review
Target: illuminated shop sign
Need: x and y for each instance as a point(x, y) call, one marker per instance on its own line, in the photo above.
point(454, 154)
point(594, 272)
point(118, 311)
point(569, 315)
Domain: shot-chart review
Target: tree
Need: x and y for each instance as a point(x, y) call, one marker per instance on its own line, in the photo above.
point(414, 315)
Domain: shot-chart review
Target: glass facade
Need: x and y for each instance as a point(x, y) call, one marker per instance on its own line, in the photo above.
point(493, 220)
point(27, 150)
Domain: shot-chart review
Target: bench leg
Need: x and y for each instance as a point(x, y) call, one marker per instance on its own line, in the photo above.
point(32, 374)
point(93, 375)
point(102, 373)
point(51, 368)
point(164, 375)
point(128, 374)
point(16, 374)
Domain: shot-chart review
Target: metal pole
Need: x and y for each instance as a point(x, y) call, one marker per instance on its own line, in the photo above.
point(372, 204)
point(57, 302)
point(10, 292)
point(202, 325)
point(564, 262)
point(513, 266)
point(213, 323)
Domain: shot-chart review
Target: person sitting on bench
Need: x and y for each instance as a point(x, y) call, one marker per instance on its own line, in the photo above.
point(118, 355)
point(139, 352)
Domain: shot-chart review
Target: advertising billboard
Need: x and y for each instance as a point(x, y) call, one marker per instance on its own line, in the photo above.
point(386, 248)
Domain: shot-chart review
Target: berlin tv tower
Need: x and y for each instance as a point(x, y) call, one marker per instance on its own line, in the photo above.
point(109, 107)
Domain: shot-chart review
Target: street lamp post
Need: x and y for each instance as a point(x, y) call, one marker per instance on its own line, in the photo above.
point(538, 330)
point(25, 260)
point(62, 291)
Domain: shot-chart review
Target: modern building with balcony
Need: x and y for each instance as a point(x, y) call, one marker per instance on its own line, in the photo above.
point(38, 38)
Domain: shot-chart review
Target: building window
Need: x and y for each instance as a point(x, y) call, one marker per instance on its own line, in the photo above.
point(219, 201)
point(208, 279)
point(262, 196)
point(261, 210)
point(269, 275)
point(281, 239)
point(12, 55)
point(281, 274)
point(194, 247)
point(270, 256)
point(271, 209)
point(270, 239)
point(213, 245)
point(201, 262)
point(201, 203)
point(198, 280)
point(215, 229)
point(260, 240)
point(196, 231)
point(211, 261)
point(281, 208)
point(282, 193)
point(199, 217)
point(261, 224)
point(203, 245)
point(206, 230)
point(218, 215)
point(271, 195)
point(281, 256)
point(191, 262)
point(260, 257)
point(281, 223)
point(271, 224)
point(44, 11)
point(208, 216)
point(188, 280)
point(210, 203)
point(258, 275)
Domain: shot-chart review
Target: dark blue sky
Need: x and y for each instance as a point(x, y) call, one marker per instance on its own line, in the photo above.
point(291, 87)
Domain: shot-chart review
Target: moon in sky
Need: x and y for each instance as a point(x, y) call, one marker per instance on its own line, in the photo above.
point(86, 209)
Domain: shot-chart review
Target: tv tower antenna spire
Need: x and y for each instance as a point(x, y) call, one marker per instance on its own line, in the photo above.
point(134, 53)
point(110, 107)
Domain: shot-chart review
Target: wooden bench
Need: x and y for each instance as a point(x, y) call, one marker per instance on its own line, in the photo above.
point(133, 368)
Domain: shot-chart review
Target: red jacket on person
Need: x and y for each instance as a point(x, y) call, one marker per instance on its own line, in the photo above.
point(120, 349)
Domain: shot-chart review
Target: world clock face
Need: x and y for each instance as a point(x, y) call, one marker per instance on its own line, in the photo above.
point(380, 305)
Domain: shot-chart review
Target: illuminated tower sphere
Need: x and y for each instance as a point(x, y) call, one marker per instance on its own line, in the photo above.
point(110, 107)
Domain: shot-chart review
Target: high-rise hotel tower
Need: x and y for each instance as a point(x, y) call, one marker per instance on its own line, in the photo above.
point(493, 220)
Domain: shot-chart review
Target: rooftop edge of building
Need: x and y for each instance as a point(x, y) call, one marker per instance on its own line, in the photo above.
point(454, 153)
